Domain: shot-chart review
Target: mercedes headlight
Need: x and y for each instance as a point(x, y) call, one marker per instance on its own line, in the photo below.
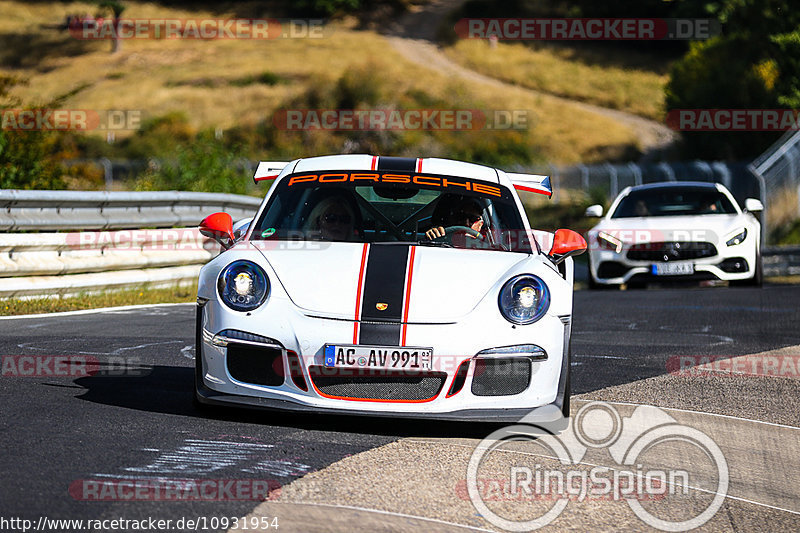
point(243, 286)
point(607, 240)
point(738, 238)
point(524, 299)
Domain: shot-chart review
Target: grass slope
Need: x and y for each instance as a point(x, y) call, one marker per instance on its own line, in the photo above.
point(225, 83)
point(563, 72)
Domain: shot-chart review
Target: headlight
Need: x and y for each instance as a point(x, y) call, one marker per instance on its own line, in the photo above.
point(609, 241)
point(524, 299)
point(738, 238)
point(243, 286)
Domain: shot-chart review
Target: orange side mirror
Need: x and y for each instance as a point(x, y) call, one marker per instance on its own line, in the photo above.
point(219, 227)
point(566, 244)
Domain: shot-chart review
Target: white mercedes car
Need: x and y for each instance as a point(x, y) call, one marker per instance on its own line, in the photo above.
point(675, 231)
point(388, 286)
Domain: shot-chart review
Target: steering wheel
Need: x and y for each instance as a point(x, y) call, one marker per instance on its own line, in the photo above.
point(450, 230)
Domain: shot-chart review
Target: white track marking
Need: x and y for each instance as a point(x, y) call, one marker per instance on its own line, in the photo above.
point(118, 351)
point(390, 513)
point(188, 352)
point(602, 356)
point(90, 311)
point(698, 412)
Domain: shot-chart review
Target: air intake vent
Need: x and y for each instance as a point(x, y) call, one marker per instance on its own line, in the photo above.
point(377, 384)
point(501, 377)
point(255, 364)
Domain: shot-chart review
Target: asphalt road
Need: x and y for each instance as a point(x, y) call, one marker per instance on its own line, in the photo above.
point(134, 419)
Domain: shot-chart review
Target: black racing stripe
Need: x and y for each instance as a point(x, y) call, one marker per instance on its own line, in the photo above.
point(405, 164)
point(384, 282)
point(387, 334)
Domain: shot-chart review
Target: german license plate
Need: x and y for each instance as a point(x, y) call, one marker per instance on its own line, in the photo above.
point(382, 357)
point(672, 269)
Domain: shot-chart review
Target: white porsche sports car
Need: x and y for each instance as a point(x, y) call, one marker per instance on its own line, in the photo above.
point(675, 231)
point(388, 286)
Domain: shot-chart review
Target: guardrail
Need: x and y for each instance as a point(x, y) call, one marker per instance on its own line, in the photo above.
point(119, 255)
point(88, 210)
point(781, 261)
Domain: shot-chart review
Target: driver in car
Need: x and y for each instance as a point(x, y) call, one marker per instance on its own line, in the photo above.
point(460, 212)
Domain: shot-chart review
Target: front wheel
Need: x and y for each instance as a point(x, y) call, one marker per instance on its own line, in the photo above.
point(758, 277)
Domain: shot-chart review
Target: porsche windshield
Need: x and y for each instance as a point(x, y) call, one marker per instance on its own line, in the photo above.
point(389, 207)
point(674, 201)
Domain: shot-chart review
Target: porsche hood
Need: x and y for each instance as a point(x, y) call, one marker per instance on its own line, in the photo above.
point(386, 282)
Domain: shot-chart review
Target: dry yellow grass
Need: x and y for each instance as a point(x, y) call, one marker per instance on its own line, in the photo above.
point(558, 72)
point(783, 207)
point(162, 76)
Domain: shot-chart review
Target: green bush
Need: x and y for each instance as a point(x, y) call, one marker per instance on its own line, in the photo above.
point(786, 234)
point(159, 137)
point(204, 164)
point(26, 157)
point(755, 64)
point(26, 161)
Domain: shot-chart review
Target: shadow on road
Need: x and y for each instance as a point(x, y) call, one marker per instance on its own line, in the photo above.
point(169, 390)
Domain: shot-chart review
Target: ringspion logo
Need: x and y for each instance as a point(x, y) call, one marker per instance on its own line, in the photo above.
point(601, 455)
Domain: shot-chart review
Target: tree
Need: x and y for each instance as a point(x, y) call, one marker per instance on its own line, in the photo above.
point(116, 9)
point(755, 64)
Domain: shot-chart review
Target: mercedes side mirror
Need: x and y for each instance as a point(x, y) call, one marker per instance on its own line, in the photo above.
point(753, 205)
point(594, 211)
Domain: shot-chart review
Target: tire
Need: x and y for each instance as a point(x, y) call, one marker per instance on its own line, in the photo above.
point(198, 363)
point(758, 277)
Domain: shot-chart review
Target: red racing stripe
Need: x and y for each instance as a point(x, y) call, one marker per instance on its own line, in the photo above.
point(359, 290)
point(408, 294)
point(530, 189)
point(374, 162)
point(419, 165)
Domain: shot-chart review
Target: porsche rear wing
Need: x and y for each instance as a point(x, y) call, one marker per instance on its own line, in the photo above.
point(531, 183)
point(269, 170)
